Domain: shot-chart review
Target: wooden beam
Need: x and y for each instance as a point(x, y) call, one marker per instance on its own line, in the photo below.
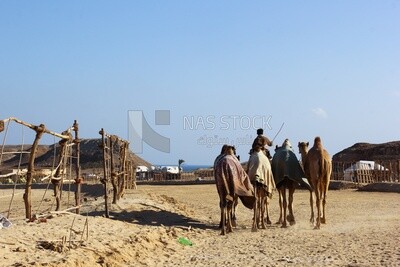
point(33, 127)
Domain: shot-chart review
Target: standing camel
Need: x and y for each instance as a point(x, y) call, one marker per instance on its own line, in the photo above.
point(225, 150)
point(288, 174)
point(232, 182)
point(318, 168)
point(260, 174)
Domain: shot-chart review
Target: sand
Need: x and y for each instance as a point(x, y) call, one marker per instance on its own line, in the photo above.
point(362, 230)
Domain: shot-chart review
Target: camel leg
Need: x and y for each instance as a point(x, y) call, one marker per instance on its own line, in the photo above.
point(233, 213)
point(223, 216)
point(229, 213)
point(268, 221)
point(284, 202)
point(255, 209)
point(280, 221)
point(259, 208)
point(318, 202)
point(291, 219)
point(221, 206)
point(323, 219)
point(262, 208)
point(312, 206)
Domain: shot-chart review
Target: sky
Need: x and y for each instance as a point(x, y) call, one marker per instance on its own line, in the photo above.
point(199, 74)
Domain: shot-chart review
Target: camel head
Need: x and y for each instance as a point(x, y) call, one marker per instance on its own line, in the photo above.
point(228, 150)
point(303, 148)
point(224, 148)
point(287, 143)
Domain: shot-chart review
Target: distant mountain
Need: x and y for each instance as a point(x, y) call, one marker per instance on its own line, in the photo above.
point(91, 156)
point(366, 151)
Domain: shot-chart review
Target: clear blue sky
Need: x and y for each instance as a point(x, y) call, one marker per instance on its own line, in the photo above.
point(327, 68)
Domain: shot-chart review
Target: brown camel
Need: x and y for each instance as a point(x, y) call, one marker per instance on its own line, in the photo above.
point(232, 182)
point(318, 168)
point(227, 150)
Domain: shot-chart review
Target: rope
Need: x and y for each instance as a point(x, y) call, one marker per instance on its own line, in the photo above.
point(51, 174)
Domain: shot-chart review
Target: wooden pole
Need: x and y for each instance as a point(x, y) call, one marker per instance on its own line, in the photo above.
point(133, 174)
point(78, 179)
point(28, 188)
point(123, 169)
point(104, 180)
point(128, 175)
point(113, 173)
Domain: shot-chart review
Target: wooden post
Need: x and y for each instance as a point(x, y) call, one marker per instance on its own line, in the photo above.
point(133, 174)
point(78, 179)
point(128, 175)
point(113, 173)
point(343, 169)
point(123, 169)
point(104, 180)
point(28, 192)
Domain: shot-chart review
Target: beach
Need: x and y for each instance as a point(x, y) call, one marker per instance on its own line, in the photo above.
point(176, 225)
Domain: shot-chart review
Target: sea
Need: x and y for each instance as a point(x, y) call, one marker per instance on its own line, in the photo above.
point(190, 168)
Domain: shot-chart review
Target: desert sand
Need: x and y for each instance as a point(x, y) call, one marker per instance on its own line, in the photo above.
point(362, 230)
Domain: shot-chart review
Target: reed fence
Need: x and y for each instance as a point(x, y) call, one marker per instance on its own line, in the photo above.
point(384, 171)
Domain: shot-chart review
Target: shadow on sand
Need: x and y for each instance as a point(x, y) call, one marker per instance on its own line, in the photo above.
point(155, 218)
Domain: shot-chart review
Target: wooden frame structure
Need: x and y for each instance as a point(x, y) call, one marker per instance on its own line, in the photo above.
point(118, 168)
point(56, 178)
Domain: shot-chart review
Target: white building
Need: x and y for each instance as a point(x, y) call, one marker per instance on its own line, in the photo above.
point(350, 173)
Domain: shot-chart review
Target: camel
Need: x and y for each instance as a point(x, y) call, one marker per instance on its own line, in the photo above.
point(232, 182)
point(288, 174)
point(318, 168)
point(225, 150)
point(260, 174)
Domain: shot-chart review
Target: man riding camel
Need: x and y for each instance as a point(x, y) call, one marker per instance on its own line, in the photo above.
point(260, 142)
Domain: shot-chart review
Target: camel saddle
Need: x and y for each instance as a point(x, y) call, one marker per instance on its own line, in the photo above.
point(286, 165)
